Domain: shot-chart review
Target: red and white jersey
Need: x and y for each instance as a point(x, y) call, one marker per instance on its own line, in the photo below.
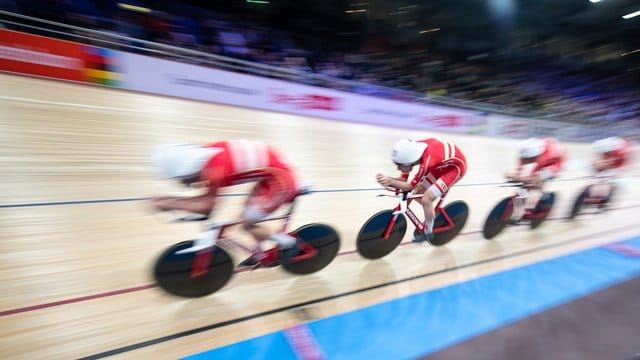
point(439, 157)
point(620, 157)
point(240, 161)
point(550, 161)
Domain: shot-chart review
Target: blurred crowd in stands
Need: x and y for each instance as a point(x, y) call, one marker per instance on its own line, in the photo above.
point(532, 88)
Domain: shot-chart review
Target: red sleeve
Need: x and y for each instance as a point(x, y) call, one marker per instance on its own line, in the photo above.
point(554, 164)
point(424, 165)
point(431, 156)
point(625, 154)
point(217, 169)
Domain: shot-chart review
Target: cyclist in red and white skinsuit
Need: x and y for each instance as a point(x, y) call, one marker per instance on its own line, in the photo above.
point(227, 163)
point(612, 155)
point(540, 160)
point(442, 164)
point(547, 157)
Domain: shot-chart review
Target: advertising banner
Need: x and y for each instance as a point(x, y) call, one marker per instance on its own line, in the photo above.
point(42, 56)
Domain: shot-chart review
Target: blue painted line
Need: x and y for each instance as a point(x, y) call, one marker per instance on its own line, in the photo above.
point(345, 190)
point(76, 202)
point(98, 201)
point(83, 202)
point(424, 323)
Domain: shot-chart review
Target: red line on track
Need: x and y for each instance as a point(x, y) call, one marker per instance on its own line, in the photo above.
point(75, 300)
point(150, 286)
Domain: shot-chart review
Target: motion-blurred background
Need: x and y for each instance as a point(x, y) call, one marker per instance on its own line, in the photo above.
point(572, 60)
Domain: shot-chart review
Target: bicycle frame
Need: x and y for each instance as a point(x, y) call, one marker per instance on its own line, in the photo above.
point(598, 199)
point(595, 200)
point(221, 239)
point(216, 230)
point(519, 200)
point(403, 207)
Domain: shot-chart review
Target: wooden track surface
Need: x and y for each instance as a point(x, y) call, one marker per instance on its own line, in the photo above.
point(65, 142)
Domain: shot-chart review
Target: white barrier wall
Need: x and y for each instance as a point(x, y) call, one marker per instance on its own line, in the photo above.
point(160, 76)
point(166, 77)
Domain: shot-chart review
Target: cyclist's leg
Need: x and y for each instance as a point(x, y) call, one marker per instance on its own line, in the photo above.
point(271, 192)
point(440, 183)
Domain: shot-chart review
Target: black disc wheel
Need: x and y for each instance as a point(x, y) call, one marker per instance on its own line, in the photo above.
point(193, 274)
point(458, 212)
point(371, 243)
point(324, 239)
point(498, 218)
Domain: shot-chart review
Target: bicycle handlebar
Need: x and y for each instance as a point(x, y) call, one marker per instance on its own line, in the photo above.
point(192, 217)
point(512, 184)
point(405, 195)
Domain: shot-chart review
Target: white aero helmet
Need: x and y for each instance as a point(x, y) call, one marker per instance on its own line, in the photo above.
point(407, 151)
point(609, 144)
point(179, 161)
point(531, 148)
